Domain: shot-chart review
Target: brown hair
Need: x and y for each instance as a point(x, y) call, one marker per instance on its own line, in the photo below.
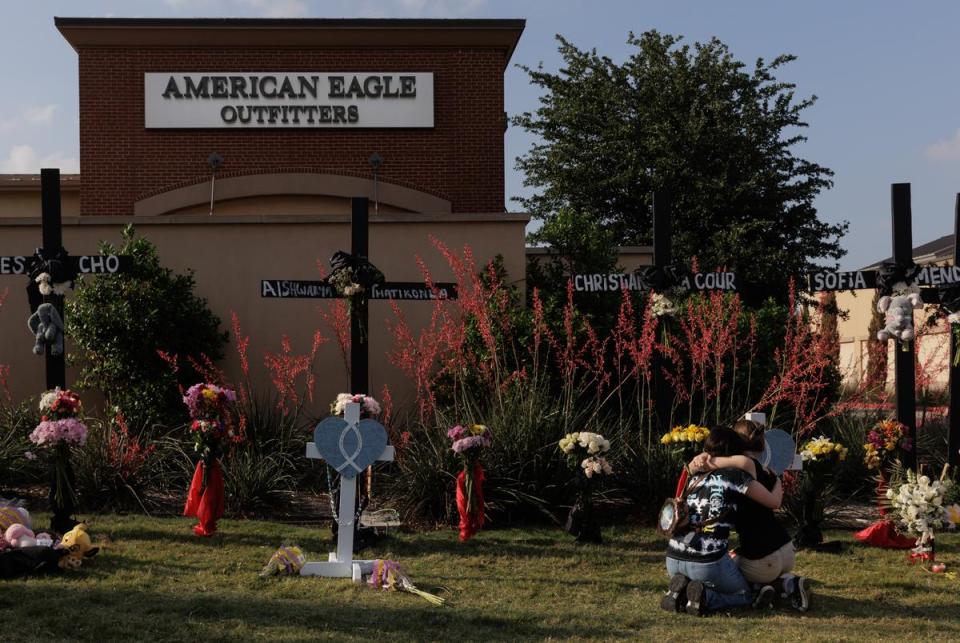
point(722, 441)
point(751, 433)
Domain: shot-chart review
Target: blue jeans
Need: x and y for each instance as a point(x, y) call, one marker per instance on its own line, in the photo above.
point(726, 586)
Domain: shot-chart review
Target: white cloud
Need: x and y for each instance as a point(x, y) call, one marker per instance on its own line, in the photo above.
point(23, 159)
point(303, 8)
point(260, 8)
point(40, 114)
point(424, 8)
point(32, 115)
point(948, 150)
point(441, 8)
point(277, 8)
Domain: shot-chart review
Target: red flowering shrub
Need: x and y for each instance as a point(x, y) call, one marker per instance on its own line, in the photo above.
point(532, 376)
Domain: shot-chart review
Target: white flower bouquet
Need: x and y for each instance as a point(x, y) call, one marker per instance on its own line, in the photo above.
point(919, 503)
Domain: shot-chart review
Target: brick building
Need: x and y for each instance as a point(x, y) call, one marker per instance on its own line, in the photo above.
point(297, 110)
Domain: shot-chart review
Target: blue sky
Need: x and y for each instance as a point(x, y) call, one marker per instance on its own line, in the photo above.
point(885, 73)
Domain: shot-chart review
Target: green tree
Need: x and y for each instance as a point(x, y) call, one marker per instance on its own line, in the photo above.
point(691, 119)
point(876, 375)
point(118, 323)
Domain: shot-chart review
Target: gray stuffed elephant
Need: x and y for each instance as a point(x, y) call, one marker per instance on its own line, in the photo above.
point(47, 327)
point(898, 316)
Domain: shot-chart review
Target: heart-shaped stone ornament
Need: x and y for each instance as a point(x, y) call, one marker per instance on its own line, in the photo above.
point(778, 450)
point(349, 448)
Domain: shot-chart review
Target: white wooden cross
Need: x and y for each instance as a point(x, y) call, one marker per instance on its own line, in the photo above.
point(761, 419)
point(341, 563)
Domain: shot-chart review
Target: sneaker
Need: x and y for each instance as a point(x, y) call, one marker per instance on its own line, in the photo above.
point(781, 584)
point(764, 598)
point(675, 600)
point(800, 597)
point(696, 598)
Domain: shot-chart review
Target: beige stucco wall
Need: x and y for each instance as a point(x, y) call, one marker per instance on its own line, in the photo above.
point(231, 254)
point(26, 203)
point(933, 348)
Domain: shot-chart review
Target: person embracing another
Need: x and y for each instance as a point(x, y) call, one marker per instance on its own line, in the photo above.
point(765, 554)
point(703, 577)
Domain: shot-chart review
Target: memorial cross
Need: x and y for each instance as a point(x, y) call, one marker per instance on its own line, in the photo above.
point(349, 445)
point(359, 314)
point(359, 246)
point(52, 250)
point(953, 414)
point(661, 276)
point(779, 448)
point(932, 278)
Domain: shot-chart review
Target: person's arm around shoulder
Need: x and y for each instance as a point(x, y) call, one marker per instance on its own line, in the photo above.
point(769, 499)
point(705, 462)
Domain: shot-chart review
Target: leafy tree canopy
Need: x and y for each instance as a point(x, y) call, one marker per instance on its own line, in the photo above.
point(690, 119)
point(118, 323)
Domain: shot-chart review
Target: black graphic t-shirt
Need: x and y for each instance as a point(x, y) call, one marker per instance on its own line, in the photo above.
point(759, 531)
point(714, 497)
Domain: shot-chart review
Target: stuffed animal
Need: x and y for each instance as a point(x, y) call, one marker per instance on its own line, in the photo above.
point(78, 546)
point(19, 536)
point(30, 561)
point(47, 327)
point(898, 311)
point(11, 515)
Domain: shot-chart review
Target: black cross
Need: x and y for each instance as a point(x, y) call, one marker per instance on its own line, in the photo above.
point(359, 248)
point(953, 413)
point(52, 250)
point(936, 278)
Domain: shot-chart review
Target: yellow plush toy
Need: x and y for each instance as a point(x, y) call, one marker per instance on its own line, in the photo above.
point(78, 545)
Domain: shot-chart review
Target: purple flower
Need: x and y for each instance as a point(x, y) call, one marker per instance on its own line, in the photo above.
point(52, 432)
point(208, 401)
point(457, 433)
point(471, 442)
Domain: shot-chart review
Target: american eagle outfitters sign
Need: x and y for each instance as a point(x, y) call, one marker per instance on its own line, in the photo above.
point(240, 100)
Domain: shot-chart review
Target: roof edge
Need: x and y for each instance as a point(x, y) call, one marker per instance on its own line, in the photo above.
point(317, 33)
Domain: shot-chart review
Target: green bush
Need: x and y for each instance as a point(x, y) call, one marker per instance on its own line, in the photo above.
point(259, 480)
point(119, 323)
point(120, 470)
point(16, 423)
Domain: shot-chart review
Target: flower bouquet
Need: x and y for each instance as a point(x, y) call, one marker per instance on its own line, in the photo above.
point(353, 278)
point(210, 426)
point(369, 407)
point(815, 487)
point(288, 560)
point(468, 443)
point(953, 319)
point(886, 441)
point(60, 428)
point(584, 454)
point(388, 575)
point(661, 305)
point(919, 503)
point(686, 440)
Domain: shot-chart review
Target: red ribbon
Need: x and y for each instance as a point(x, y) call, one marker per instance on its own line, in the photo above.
point(682, 482)
point(921, 556)
point(206, 502)
point(473, 522)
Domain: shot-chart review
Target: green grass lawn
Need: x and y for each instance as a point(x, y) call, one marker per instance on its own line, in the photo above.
point(155, 581)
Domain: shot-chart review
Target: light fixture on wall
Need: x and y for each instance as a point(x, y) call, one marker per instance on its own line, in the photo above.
point(375, 162)
point(215, 161)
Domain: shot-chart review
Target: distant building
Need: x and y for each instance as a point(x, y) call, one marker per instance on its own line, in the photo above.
point(933, 347)
point(305, 114)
